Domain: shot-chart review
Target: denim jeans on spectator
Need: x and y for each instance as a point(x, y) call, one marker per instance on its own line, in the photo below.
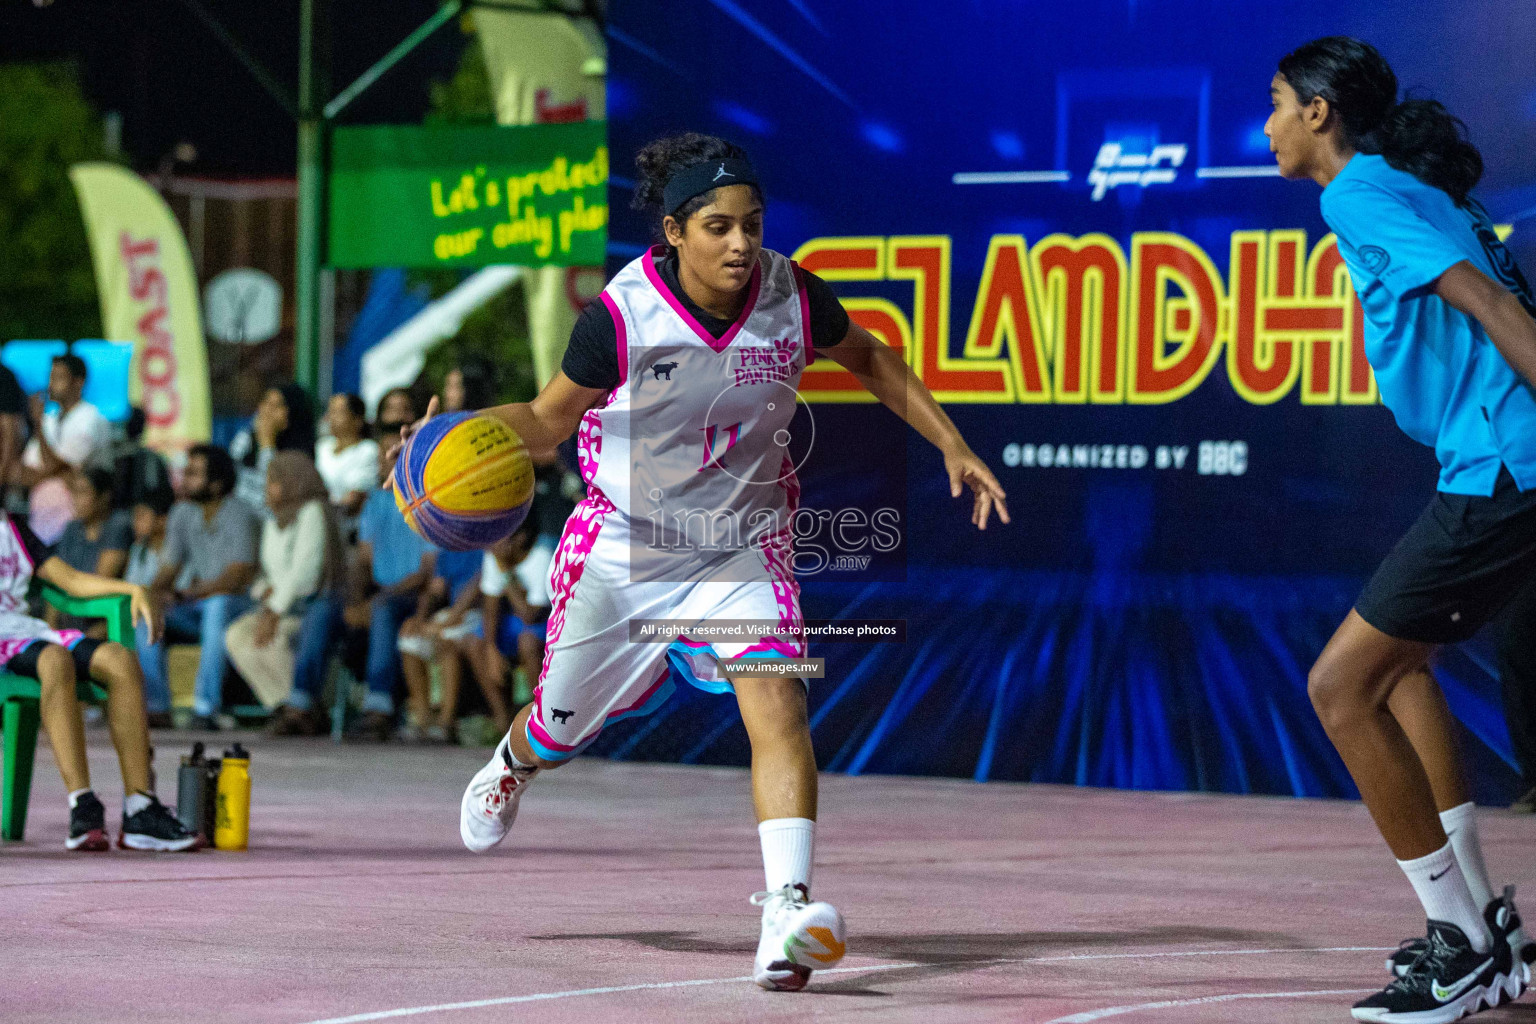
point(384, 672)
point(320, 628)
point(203, 622)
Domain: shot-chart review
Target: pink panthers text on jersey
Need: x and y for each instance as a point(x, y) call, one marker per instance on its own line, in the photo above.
point(692, 446)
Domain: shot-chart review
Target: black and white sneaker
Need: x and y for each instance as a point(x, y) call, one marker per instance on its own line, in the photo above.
point(1446, 981)
point(156, 828)
point(1504, 921)
point(87, 825)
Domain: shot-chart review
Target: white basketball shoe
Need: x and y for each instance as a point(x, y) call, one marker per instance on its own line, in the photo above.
point(490, 800)
point(798, 937)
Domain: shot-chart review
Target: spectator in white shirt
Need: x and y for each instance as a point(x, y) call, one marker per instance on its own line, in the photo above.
point(347, 458)
point(65, 439)
point(301, 560)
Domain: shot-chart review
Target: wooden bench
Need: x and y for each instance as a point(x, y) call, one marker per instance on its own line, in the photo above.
point(20, 698)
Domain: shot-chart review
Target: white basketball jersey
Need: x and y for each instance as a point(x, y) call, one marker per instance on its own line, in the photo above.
point(692, 446)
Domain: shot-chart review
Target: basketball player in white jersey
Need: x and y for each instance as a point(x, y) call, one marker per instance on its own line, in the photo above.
point(682, 384)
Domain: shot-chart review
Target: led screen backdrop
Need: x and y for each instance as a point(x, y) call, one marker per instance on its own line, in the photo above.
point(1067, 216)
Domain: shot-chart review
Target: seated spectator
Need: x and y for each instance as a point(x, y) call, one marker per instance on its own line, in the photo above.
point(206, 565)
point(396, 409)
point(436, 634)
point(514, 572)
point(394, 563)
point(284, 421)
point(65, 439)
point(136, 469)
point(95, 541)
point(470, 385)
point(56, 659)
point(98, 538)
point(149, 517)
point(348, 459)
point(301, 560)
point(13, 431)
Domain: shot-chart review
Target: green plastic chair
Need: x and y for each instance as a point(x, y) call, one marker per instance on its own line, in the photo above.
point(20, 698)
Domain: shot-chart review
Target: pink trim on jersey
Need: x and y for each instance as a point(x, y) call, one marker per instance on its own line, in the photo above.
point(721, 343)
point(10, 648)
point(805, 314)
point(589, 445)
point(622, 334)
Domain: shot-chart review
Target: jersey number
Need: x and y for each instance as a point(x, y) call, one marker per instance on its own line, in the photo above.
point(714, 436)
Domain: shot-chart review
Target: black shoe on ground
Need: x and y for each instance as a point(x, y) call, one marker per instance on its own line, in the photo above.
point(1504, 922)
point(156, 828)
point(287, 721)
point(87, 825)
point(1447, 980)
point(372, 727)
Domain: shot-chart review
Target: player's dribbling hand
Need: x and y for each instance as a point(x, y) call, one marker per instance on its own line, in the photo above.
point(405, 434)
point(967, 470)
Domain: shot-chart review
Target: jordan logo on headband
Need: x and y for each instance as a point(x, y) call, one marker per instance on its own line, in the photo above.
point(723, 173)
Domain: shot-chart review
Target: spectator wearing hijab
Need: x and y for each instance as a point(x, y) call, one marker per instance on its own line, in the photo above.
point(301, 562)
point(284, 422)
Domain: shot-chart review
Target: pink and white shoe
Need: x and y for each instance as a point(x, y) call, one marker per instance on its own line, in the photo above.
point(490, 800)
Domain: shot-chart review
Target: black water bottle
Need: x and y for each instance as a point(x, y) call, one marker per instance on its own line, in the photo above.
point(191, 785)
point(211, 769)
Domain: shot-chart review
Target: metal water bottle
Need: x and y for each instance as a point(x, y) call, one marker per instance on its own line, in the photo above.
point(232, 826)
point(191, 783)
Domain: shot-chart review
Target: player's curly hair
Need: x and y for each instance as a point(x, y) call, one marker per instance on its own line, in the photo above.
point(1420, 137)
point(663, 158)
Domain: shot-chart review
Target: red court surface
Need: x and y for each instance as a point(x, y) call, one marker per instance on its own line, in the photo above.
point(622, 896)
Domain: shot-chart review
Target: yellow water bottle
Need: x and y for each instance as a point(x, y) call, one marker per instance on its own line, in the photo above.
point(232, 820)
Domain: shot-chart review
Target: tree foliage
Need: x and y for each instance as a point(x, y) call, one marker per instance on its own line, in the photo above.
point(47, 284)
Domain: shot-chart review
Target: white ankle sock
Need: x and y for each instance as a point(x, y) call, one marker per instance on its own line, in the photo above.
point(75, 795)
point(133, 803)
point(1442, 888)
point(788, 845)
point(1461, 825)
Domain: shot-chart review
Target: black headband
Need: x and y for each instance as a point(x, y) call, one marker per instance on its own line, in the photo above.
point(700, 178)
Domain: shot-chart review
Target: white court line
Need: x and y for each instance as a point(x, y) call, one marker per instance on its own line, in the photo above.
point(1009, 177)
point(1258, 171)
point(412, 1011)
point(1115, 1011)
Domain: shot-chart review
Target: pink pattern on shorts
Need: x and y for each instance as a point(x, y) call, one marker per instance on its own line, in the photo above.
point(778, 550)
point(13, 646)
point(570, 561)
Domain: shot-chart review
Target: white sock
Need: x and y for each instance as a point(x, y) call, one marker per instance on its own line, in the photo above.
point(133, 803)
point(1461, 826)
point(1442, 888)
point(75, 795)
point(788, 845)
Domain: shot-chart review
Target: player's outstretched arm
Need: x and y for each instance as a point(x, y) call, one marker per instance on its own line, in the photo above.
point(883, 373)
point(1509, 326)
point(543, 423)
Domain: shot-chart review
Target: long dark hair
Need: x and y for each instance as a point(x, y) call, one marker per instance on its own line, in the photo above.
point(299, 434)
point(663, 158)
point(1419, 137)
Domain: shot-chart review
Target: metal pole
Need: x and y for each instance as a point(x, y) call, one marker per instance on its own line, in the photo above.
point(314, 84)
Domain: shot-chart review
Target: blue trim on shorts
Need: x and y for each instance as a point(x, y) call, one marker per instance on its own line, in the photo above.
point(663, 692)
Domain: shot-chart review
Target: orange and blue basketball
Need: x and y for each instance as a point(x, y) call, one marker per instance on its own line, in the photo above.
point(464, 481)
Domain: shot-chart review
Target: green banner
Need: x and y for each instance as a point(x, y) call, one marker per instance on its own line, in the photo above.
point(534, 195)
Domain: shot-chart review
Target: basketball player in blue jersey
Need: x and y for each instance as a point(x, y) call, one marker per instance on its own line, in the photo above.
point(1450, 335)
point(682, 384)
